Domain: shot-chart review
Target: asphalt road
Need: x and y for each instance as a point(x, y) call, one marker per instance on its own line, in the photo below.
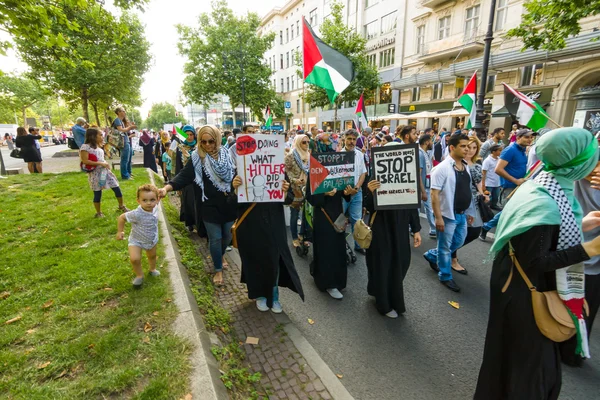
point(431, 352)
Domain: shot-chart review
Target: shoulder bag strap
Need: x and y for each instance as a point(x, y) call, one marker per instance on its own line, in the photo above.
point(521, 272)
point(328, 219)
point(372, 218)
point(241, 219)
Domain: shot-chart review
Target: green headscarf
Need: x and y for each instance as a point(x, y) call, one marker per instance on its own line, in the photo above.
point(569, 154)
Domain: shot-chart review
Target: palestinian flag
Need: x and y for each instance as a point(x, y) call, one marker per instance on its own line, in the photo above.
point(467, 100)
point(268, 117)
point(181, 135)
point(526, 110)
point(361, 113)
point(323, 66)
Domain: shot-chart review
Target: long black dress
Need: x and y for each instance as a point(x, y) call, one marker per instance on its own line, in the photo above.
point(29, 151)
point(149, 160)
point(263, 248)
point(518, 361)
point(191, 210)
point(388, 257)
point(328, 267)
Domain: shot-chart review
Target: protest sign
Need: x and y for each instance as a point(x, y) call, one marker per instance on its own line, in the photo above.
point(260, 161)
point(330, 171)
point(397, 169)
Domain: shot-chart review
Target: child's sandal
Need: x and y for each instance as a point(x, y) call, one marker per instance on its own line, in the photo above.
point(99, 215)
point(123, 208)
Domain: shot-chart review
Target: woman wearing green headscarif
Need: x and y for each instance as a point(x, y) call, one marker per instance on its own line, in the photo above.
point(543, 223)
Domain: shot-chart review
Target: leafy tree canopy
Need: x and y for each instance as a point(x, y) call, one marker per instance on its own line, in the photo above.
point(548, 23)
point(160, 114)
point(344, 39)
point(221, 52)
point(17, 94)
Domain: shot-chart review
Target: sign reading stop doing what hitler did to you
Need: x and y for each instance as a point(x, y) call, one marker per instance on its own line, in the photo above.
point(397, 169)
point(260, 163)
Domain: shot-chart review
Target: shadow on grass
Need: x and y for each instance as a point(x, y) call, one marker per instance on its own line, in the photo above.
point(81, 330)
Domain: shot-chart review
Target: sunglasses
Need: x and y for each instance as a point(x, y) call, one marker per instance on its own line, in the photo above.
point(209, 141)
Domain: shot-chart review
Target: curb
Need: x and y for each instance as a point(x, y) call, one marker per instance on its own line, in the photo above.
point(331, 382)
point(205, 377)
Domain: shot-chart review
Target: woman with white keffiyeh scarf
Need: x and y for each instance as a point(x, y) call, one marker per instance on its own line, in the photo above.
point(542, 224)
point(297, 164)
point(212, 172)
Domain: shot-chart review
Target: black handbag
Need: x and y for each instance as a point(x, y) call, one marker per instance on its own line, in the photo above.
point(484, 209)
point(16, 153)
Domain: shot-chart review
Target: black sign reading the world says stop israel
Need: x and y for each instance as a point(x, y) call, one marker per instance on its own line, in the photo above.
point(396, 167)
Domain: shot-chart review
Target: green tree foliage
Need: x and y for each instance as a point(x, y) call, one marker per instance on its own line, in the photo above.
point(223, 50)
point(17, 94)
point(160, 114)
point(33, 21)
point(548, 23)
point(344, 39)
point(107, 58)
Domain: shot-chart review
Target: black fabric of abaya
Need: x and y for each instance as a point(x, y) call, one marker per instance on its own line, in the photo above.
point(264, 251)
point(388, 257)
point(518, 361)
point(190, 211)
point(328, 266)
point(149, 159)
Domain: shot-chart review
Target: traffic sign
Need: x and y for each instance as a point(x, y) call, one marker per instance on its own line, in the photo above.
point(288, 104)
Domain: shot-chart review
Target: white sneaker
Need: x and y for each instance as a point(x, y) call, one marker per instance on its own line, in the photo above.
point(154, 273)
point(335, 294)
point(392, 314)
point(261, 304)
point(277, 307)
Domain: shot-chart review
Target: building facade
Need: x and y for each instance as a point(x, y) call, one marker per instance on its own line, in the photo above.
point(426, 51)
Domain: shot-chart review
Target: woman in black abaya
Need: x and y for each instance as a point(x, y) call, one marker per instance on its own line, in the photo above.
point(328, 267)
point(388, 257)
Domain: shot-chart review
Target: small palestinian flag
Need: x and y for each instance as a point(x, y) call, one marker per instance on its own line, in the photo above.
point(467, 100)
point(526, 110)
point(323, 66)
point(181, 135)
point(361, 113)
point(268, 117)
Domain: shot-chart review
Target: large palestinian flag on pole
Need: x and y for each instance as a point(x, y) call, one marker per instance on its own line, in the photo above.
point(361, 113)
point(467, 100)
point(526, 110)
point(323, 66)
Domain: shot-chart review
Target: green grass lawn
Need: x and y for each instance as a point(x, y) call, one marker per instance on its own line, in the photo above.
point(82, 331)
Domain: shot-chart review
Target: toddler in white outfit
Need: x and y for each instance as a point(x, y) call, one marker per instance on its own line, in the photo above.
point(144, 232)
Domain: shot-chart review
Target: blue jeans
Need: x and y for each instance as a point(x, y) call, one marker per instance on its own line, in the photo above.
point(453, 237)
point(275, 289)
point(492, 223)
point(219, 236)
point(126, 161)
point(495, 192)
point(429, 212)
point(354, 209)
point(294, 213)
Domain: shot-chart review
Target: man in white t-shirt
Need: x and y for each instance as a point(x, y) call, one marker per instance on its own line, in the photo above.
point(490, 178)
point(354, 206)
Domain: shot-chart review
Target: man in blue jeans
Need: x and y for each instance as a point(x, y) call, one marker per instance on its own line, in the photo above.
point(451, 199)
point(119, 125)
point(512, 168)
point(425, 165)
point(354, 206)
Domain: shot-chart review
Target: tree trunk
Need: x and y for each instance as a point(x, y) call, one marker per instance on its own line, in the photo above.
point(84, 103)
point(108, 122)
point(95, 108)
point(25, 117)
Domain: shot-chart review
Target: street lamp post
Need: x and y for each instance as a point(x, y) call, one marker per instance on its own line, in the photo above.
point(489, 36)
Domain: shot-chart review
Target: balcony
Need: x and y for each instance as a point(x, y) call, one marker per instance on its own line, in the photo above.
point(432, 3)
point(463, 44)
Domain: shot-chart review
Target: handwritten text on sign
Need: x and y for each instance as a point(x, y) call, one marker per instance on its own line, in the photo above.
point(260, 162)
point(330, 171)
point(396, 168)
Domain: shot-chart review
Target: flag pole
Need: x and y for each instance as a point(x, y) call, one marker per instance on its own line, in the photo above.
point(554, 122)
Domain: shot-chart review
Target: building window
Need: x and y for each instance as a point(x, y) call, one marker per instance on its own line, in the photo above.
point(281, 85)
point(369, 3)
point(299, 59)
point(371, 30)
point(274, 84)
point(281, 61)
point(421, 39)
point(437, 91)
point(312, 17)
point(280, 37)
point(388, 23)
point(287, 59)
point(531, 75)
point(372, 59)
point(416, 94)
point(472, 22)
point(386, 58)
point(298, 81)
point(292, 79)
point(443, 28)
point(298, 106)
point(287, 84)
point(501, 11)
point(491, 83)
point(385, 94)
point(287, 35)
point(297, 28)
point(292, 31)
